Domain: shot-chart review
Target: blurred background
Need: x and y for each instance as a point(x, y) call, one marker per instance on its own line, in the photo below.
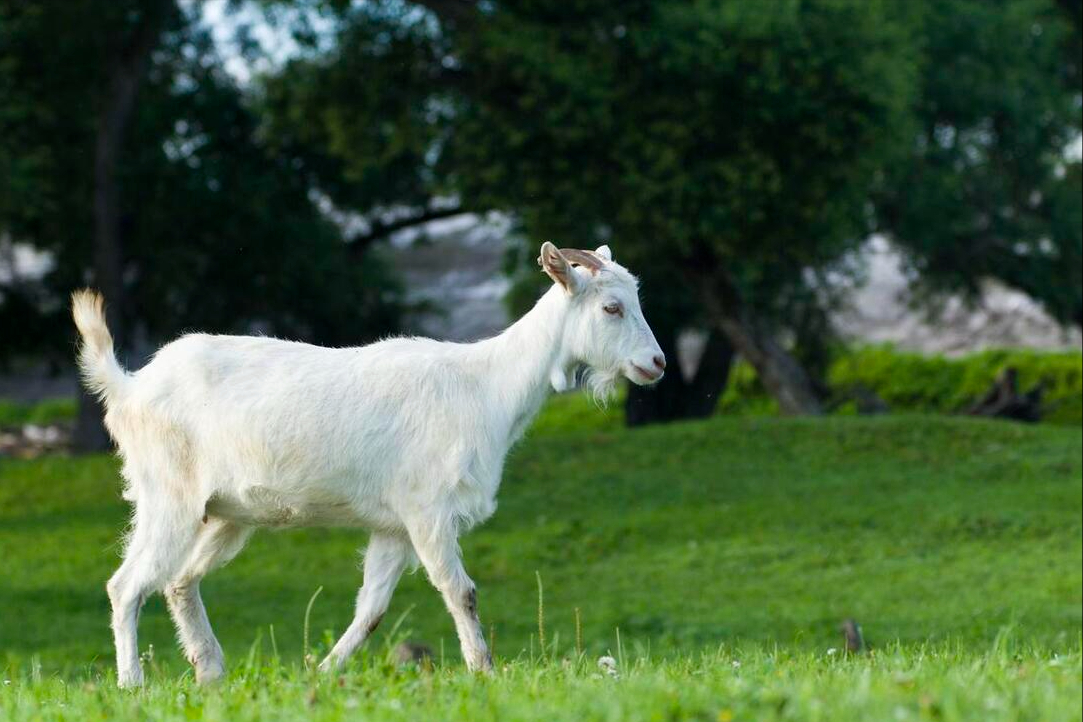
point(835, 206)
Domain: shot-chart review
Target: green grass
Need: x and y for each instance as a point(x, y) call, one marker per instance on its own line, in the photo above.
point(955, 542)
point(729, 684)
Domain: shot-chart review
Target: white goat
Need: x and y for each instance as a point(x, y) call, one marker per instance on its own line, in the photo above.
point(405, 437)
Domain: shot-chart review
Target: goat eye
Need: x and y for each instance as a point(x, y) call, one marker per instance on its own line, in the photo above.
point(613, 309)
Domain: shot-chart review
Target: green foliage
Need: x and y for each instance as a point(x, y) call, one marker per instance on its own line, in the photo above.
point(709, 128)
point(745, 395)
point(37, 54)
point(219, 228)
point(706, 139)
point(915, 382)
point(985, 189)
point(360, 123)
point(912, 382)
point(227, 226)
point(49, 411)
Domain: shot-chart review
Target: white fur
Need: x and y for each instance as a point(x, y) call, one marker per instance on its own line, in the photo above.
point(405, 437)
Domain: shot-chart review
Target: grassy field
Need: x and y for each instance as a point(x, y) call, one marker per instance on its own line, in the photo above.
point(723, 556)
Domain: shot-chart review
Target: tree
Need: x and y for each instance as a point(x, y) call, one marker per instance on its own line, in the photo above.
point(732, 142)
point(129, 47)
point(49, 66)
point(986, 189)
point(363, 121)
point(214, 229)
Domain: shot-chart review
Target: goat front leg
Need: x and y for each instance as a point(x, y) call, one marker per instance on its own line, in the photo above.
point(385, 559)
point(438, 549)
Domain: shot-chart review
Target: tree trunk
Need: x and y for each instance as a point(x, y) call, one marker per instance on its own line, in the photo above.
point(114, 119)
point(1004, 401)
point(674, 397)
point(781, 374)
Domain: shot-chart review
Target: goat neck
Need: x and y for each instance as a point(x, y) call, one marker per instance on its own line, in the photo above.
point(528, 357)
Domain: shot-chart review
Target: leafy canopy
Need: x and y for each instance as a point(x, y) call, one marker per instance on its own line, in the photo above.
point(220, 230)
point(711, 135)
point(987, 187)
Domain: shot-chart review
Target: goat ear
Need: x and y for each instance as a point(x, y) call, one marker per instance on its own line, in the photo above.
point(604, 252)
point(556, 266)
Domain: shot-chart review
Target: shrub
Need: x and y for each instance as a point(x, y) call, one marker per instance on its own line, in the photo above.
point(745, 395)
point(914, 382)
point(48, 411)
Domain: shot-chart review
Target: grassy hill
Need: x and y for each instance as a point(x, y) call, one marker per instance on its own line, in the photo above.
point(750, 538)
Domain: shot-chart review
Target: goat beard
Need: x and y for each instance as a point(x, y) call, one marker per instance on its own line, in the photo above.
point(601, 383)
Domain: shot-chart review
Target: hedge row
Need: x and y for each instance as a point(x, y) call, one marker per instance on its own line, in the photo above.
point(48, 411)
point(936, 384)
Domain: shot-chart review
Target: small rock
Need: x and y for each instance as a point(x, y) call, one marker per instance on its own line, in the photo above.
point(414, 653)
point(34, 433)
point(851, 630)
point(608, 665)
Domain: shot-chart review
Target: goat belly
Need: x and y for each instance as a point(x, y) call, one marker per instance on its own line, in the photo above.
point(263, 506)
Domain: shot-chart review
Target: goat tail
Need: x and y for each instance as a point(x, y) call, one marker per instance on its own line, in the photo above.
point(102, 375)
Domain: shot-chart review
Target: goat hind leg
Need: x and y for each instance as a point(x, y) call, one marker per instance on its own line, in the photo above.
point(157, 547)
point(385, 558)
point(218, 542)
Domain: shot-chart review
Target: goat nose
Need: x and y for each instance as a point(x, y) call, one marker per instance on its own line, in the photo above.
point(660, 362)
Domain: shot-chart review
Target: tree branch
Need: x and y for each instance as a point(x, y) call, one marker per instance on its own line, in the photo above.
point(359, 244)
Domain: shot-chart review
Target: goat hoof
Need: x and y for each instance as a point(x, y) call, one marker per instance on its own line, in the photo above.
point(484, 665)
point(130, 680)
point(210, 673)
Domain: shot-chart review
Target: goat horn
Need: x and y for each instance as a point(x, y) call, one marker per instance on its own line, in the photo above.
point(587, 259)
